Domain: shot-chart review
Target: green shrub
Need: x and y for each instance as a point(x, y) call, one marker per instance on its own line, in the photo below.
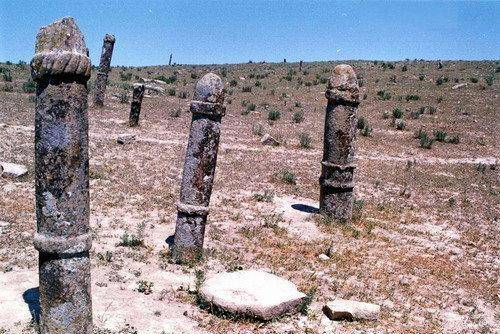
point(8, 88)
point(251, 107)
point(170, 80)
point(473, 80)
point(258, 83)
point(145, 287)
point(489, 80)
point(425, 141)
point(194, 75)
point(404, 68)
point(441, 80)
point(297, 104)
point(397, 113)
point(366, 131)
point(383, 95)
point(171, 91)
point(361, 123)
point(233, 83)
point(125, 76)
point(298, 117)
point(440, 136)
point(287, 177)
point(123, 97)
point(411, 97)
point(133, 240)
point(266, 196)
point(29, 86)
point(7, 76)
point(274, 115)
point(421, 77)
point(453, 139)
point(400, 125)
point(305, 140)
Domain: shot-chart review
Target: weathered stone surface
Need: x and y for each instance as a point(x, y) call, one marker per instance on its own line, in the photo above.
point(135, 106)
point(104, 68)
point(337, 172)
point(11, 170)
point(209, 89)
point(342, 309)
point(199, 169)
point(61, 68)
point(267, 139)
point(60, 50)
point(125, 138)
point(252, 293)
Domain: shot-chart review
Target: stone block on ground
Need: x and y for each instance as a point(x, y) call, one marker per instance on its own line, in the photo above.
point(10, 170)
point(343, 309)
point(252, 293)
point(125, 138)
point(267, 139)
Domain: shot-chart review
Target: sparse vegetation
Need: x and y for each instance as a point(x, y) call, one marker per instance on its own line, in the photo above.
point(273, 115)
point(305, 140)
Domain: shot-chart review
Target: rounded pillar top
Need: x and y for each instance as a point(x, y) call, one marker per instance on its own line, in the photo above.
point(60, 49)
point(109, 38)
point(209, 89)
point(343, 84)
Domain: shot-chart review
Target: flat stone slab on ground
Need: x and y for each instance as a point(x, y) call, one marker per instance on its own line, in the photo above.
point(252, 293)
point(350, 310)
point(11, 170)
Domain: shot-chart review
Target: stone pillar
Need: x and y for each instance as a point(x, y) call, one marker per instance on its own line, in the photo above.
point(300, 65)
point(199, 169)
point(61, 67)
point(104, 68)
point(170, 60)
point(135, 106)
point(336, 195)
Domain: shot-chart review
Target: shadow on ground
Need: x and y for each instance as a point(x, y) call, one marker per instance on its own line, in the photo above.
point(32, 298)
point(305, 208)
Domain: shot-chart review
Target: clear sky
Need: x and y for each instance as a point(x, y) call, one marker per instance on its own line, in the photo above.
point(206, 32)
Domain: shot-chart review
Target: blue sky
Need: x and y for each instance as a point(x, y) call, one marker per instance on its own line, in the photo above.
point(206, 32)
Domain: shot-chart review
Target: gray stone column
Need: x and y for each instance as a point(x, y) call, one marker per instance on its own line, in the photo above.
point(135, 106)
point(199, 169)
point(104, 68)
point(336, 194)
point(61, 68)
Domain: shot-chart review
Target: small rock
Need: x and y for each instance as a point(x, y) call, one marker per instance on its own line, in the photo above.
point(323, 257)
point(10, 170)
point(459, 86)
point(350, 309)
point(405, 281)
point(267, 139)
point(252, 293)
point(125, 138)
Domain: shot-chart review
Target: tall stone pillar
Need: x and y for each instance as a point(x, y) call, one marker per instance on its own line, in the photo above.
point(199, 169)
point(336, 194)
point(61, 68)
point(104, 68)
point(135, 106)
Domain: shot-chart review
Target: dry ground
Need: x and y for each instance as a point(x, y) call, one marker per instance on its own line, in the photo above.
point(424, 244)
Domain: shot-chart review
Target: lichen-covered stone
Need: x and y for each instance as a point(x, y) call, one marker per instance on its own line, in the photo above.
point(337, 167)
point(62, 68)
point(60, 50)
point(199, 169)
point(104, 68)
point(209, 89)
point(135, 106)
point(343, 85)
